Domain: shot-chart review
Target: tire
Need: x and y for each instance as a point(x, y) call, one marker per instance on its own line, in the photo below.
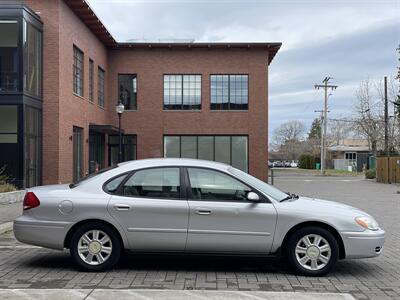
point(100, 246)
point(308, 259)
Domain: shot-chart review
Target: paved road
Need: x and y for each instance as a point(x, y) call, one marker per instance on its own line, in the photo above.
point(26, 267)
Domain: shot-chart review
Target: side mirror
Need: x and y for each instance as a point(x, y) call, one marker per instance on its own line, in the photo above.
point(253, 197)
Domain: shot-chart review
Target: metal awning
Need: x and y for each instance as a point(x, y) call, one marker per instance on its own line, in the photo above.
point(108, 129)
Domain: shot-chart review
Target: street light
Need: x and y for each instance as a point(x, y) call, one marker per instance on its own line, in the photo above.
point(119, 108)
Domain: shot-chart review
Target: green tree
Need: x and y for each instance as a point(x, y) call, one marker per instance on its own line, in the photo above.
point(315, 130)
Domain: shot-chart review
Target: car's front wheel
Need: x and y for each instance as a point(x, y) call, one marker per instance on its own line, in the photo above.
point(312, 251)
point(95, 247)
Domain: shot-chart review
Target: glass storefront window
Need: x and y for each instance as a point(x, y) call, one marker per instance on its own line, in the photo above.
point(232, 150)
point(128, 148)
point(9, 62)
point(32, 60)
point(9, 140)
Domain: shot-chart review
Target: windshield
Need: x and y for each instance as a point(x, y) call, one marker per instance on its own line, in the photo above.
point(90, 176)
point(262, 186)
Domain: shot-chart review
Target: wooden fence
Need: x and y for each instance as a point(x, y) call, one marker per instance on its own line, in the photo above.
point(388, 169)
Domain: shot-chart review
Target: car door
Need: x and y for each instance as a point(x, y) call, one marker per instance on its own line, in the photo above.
point(150, 206)
point(221, 219)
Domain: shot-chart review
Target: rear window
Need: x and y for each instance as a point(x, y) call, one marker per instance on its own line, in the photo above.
point(91, 176)
point(112, 185)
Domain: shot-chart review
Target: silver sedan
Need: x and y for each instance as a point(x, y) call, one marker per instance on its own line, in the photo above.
point(192, 206)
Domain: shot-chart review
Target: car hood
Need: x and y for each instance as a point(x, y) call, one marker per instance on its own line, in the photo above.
point(321, 207)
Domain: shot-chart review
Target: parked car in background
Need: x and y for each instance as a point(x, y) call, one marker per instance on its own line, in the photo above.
point(287, 164)
point(294, 164)
point(192, 206)
point(278, 164)
point(270, 164)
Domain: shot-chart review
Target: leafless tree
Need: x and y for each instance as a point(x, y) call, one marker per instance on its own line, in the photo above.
point(339, 129)
point(288, 131)
point(368, 113)
point(287, 138)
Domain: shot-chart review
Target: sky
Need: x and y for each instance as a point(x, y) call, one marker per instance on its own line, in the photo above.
point(348, 40)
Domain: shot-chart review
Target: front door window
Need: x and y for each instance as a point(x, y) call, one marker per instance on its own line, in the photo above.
point(211, 185)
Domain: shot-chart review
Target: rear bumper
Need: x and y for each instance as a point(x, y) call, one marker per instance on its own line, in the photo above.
point(47, 234)
point(363, 244)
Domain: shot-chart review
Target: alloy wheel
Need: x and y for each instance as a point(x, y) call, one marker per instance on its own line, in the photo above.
point(94, 247)
point(313, 252)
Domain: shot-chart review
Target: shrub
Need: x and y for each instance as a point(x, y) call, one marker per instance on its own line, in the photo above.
point(307, 161)
point(370, 174)
point(4, 186)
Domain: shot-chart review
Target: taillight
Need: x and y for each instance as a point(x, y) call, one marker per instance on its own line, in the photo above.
point(31, 201)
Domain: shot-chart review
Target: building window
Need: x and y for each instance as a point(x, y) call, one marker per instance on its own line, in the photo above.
point(351, 156)
point(9, 62)
point(229, 92)
point(100, 91)
point(232, 150)
point(32, 60)
point(128, 90)
point(77, 154)
point(128, 148)
point(182, 92)
point(78, 72)
point(91, 79)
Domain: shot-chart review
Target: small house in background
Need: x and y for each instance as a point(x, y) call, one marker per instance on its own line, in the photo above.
point(349, 154)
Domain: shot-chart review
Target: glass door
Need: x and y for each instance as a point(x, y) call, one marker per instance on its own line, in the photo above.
point(77, 153)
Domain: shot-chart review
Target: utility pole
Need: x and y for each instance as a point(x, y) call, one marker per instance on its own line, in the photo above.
point(387, 150)
point(386, 117)
point(322, 137)
point(325, 86)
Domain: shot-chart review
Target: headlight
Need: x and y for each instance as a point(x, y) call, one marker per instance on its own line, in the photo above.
point(367, 223)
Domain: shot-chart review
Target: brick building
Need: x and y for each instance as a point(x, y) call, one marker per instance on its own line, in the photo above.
point(62, 74)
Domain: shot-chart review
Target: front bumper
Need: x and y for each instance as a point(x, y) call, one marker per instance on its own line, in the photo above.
point(363, 244)
point(48, 234)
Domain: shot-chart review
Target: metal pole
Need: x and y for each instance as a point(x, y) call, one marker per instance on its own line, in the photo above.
point(120, 139)
point(387, 150)
point(322, 139)
point(323, 167)
point(272, 176)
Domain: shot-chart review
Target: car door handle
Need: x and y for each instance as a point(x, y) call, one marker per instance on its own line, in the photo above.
point(203, 212)
point(122, 207)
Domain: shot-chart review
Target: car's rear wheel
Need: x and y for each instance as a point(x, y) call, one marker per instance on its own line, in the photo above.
point(312, 251)
point(95, 247)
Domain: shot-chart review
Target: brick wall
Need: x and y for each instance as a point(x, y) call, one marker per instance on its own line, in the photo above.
point(62, 109)
point(150, 122)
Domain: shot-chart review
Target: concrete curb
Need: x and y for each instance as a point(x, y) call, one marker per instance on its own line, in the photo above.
point(151, 294)
point(6, 227)
point(12, 197)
